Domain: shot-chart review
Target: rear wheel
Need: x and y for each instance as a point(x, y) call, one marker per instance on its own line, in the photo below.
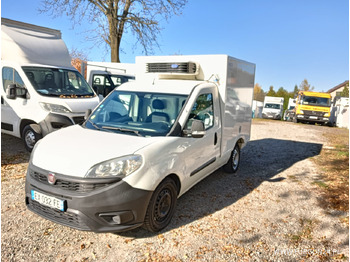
point(30, 137)
point(233, 163)
point(161, 206)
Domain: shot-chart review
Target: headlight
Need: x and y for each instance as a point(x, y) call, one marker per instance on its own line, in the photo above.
point(54, 108)
point(301, 112)
point(327, 115)
point(118, 167)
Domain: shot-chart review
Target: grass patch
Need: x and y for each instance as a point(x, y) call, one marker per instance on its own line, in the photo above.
point(321, 184)
point(307, 227)
point(333, 163)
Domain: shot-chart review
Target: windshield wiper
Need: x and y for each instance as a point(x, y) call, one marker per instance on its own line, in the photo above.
point(122, 129)
point(93, 124)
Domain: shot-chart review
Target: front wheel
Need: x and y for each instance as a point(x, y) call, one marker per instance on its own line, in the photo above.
point(30, 137)
point(161, 206)
point(233, 163)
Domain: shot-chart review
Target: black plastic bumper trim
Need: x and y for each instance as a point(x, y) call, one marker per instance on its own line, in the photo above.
point(87, 211)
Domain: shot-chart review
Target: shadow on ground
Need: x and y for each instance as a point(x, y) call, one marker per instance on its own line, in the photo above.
point(261, 161)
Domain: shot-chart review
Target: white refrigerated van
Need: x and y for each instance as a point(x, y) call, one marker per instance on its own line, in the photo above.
point(41, 91)
point(145, 145)
point(273, 107)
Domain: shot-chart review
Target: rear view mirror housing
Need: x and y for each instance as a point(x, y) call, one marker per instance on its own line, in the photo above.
point(13, 91)
point(197, 129)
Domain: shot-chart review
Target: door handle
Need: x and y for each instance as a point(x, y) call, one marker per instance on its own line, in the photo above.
point(215, 138)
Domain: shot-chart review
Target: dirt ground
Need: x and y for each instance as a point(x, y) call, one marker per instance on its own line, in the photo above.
point(268, 211)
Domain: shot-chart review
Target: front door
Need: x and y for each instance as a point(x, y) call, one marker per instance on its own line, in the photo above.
point(203, 153)
point(9, 119)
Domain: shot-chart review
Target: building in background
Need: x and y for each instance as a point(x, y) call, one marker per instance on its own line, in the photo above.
point(337, 90)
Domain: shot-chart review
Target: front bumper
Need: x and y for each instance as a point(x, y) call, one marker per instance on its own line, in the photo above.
point(316, 119)
point(98, 205)
point(271, 116)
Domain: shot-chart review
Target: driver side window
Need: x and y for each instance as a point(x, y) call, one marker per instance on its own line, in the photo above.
point(11, 76)
point(202, 110)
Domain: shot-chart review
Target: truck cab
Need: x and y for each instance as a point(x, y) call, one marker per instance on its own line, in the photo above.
point(312, 107)
point(145, 145)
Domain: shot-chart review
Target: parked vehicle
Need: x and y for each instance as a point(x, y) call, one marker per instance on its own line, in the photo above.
point(273, 107)
point(289, 111)
point(312, 107)
point(145, 145)
point(104, 76)
point(41, 92)
point(340, 112)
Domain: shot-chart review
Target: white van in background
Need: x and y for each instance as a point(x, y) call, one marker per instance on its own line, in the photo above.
point(41, 91)
point(103, 77)
point(273, 107)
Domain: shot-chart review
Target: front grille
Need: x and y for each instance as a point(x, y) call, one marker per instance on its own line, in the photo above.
point(188, 68)
point(78, 119)
point(68, 185)
point(313, 113)
point(58, 216)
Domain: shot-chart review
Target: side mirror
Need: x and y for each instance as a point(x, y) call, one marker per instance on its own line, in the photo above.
point(11, 91)
point(87, 114)
point(197, 129)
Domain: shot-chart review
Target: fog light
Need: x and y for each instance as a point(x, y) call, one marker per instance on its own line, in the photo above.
point(117, 219)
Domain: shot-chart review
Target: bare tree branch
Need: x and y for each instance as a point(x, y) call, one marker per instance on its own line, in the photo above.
point(113, 17)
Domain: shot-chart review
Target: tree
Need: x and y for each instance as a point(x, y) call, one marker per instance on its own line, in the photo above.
point(295, 91)
point(259, 94)
point(78, 57)
point(345, 92)
point(305, 86)
point(115, 17)
point(271, 92)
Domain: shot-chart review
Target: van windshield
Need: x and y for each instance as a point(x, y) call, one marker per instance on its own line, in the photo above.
point(316, 101)
point(273, 106)
point(138, 113)
point(57, 82)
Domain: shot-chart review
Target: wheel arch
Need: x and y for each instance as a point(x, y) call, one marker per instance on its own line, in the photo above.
point(176, 179)
point(23, 124)
point(240, 142)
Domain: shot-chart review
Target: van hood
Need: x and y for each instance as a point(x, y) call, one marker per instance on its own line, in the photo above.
point(76, 105)
point(73, 150)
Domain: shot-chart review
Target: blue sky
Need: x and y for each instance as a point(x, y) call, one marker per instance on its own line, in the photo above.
point(287, 40)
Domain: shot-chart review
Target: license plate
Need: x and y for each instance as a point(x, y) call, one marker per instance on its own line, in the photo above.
point(313, 117)
point(49, 201)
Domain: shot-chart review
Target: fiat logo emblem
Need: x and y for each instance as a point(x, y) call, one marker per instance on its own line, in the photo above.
point(51, 179)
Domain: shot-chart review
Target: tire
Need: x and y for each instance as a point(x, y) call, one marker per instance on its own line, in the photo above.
point(233, 163)
point(30, 137)
point(161, 206)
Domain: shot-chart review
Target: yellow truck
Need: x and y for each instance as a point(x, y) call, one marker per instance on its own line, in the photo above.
point(312, 107)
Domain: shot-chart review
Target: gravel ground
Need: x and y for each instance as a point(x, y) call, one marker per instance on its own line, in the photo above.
point(267, 211)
